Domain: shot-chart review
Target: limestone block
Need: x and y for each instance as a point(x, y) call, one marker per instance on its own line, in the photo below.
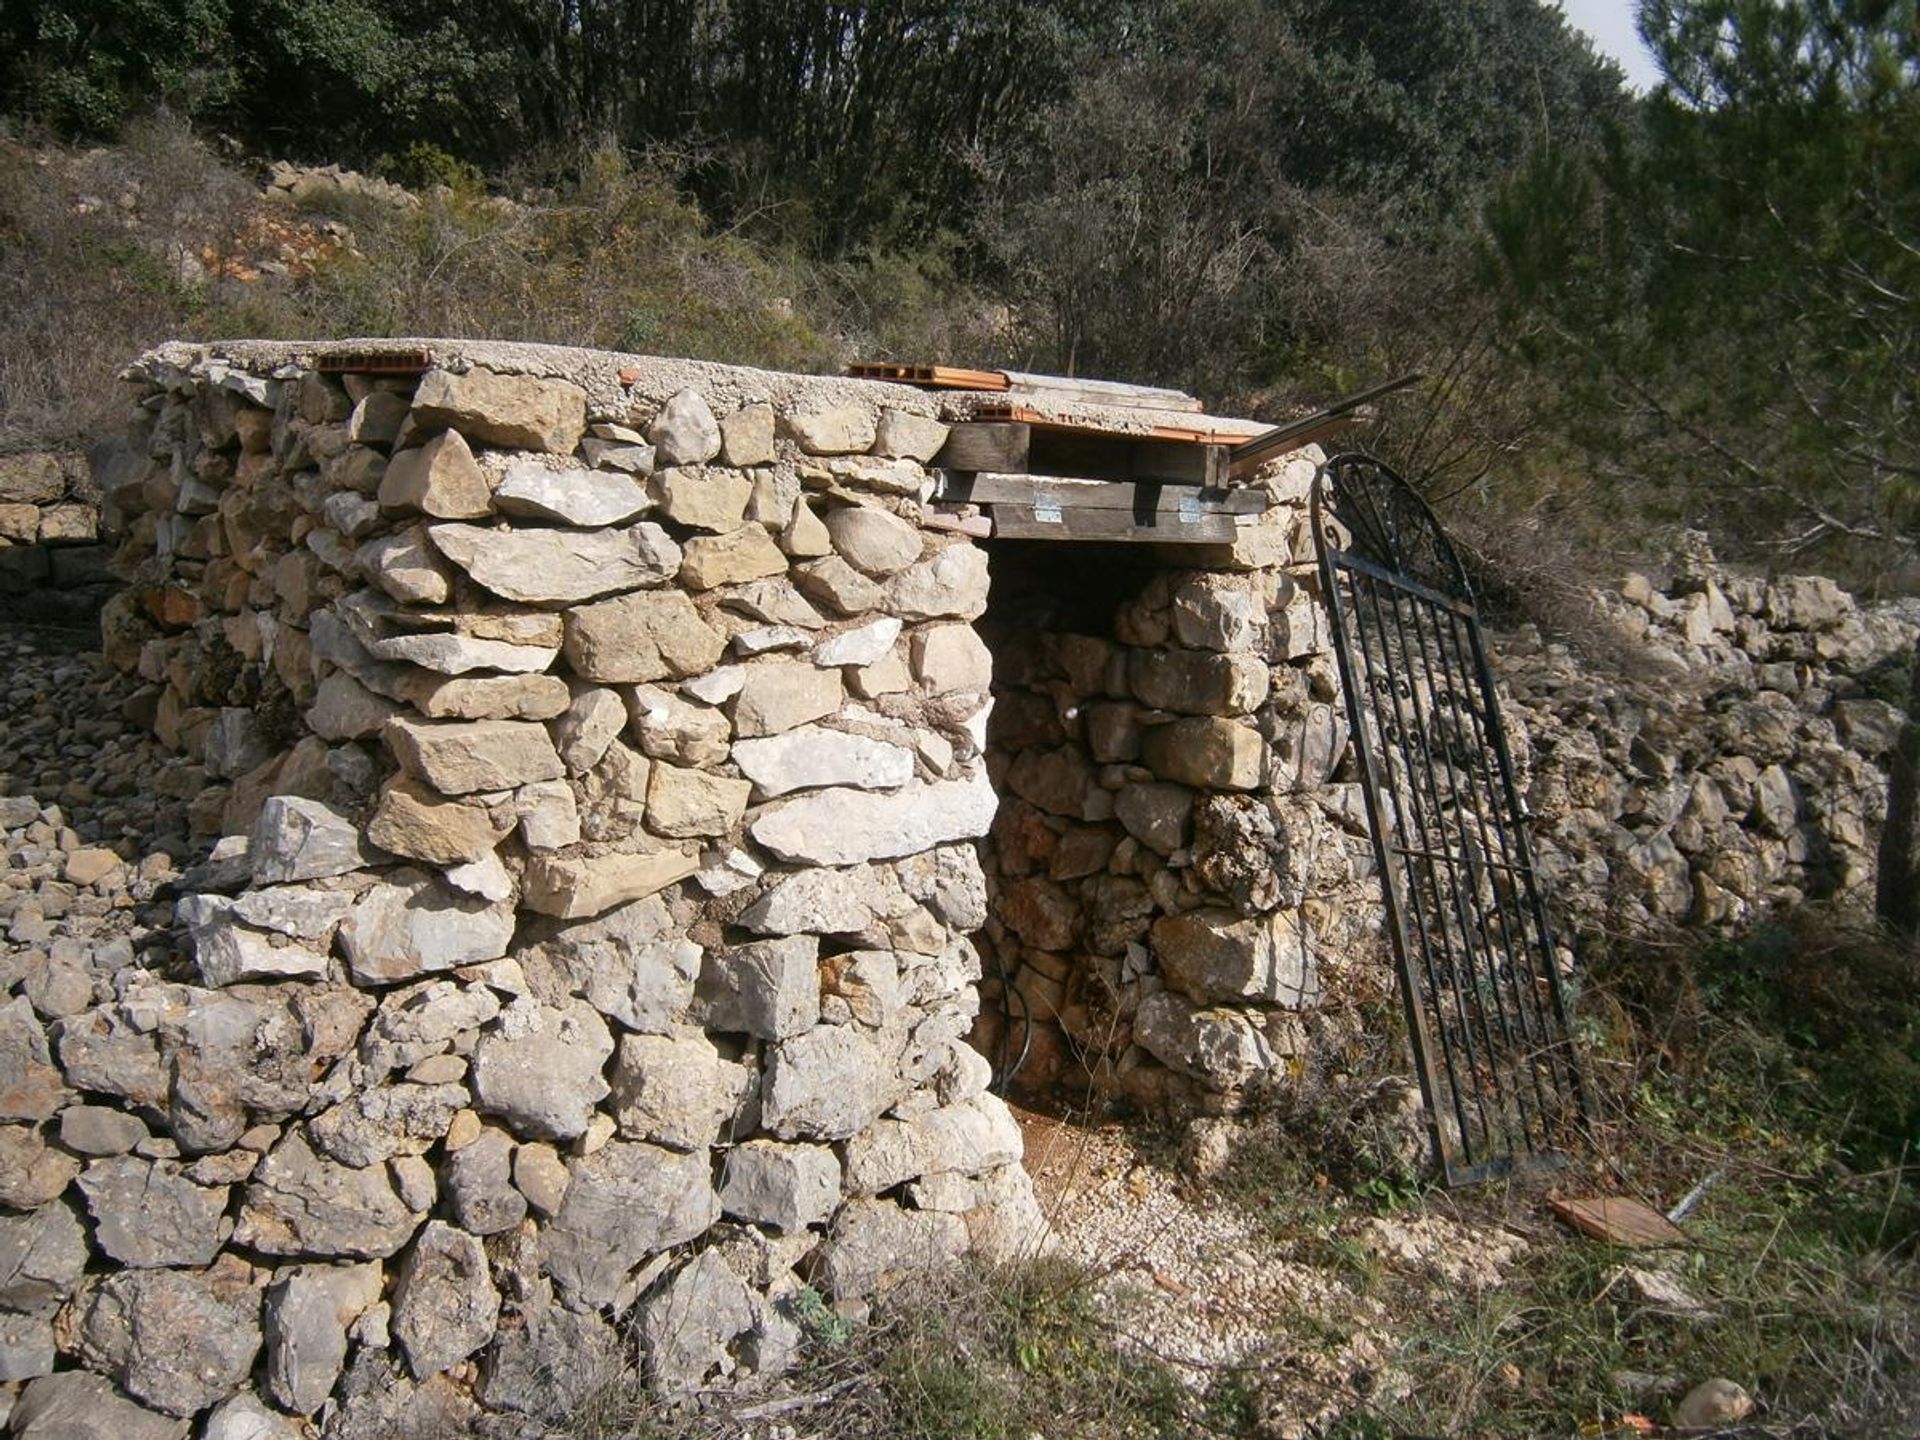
point(539, 1070)
point(674, 1089)
point(863, 645)
point(770, 989)
point(1222, 1047)
point(952, 583)
point(409, 925)
point(445, 1305)
point(582, 886)
point(779, 695)
point(517, 411)
point(952, 658)
point(460, 757)
point(32, 477)
point(30, 1085)
point(902, 435)
point(298, 839)
point(684, 432)
point(701, 497)
point(826, 1084)
point(440, 478)
point(79, 1405)
point(593, 722)
point(485, 697)
point(31, 1173)
point(589, 499)
point(875, 1244)
point(301, 1204)
point(344, 709)
point(640, 637)
point(684, 803)
point(1195, 682)
point(844, 430)
point(746, 437)
point(805, 536)
point(42, 1256)
point(1208, 752)
point(746, 553)
point(789, 1187)
point(838, 586)
point(872, 540)
point(624, 1202)
point(774, 601)
point(669, 728)
point(1219, 612)
point(687, 1326)
point(414, 821)
point(1217, 954)
point(813, 757)
point(846, 826)
point(559, 567)
point(228, 952)
point(308, 1309)
point(177, 1341)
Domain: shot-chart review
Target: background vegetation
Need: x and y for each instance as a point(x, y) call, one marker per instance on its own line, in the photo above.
point(1696, 307)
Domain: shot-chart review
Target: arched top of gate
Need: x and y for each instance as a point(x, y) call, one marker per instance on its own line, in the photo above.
point(1362, 509)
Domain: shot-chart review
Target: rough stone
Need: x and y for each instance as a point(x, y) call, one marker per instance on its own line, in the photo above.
point(624, 1202)
point(949, 659)
point(813, 758)
point(789, 1187)
point(298, 839)
point(710, 499)
point(77, 1405)
point(445, 1305)
point(307, 1313)
point(770, 988)
point(1207, 752)
point(683, 803)
point(301, 1204)
point(746, 436)
point(826, 1084)
point(1222, 1047)
point(416, 822)
point(147, 1213)
point(837, 585)
point(486, 697)
point(592, 722)
point(872, 540)
point(669, 728)
point(876, 1244)
point(639, 638)
point(863, 645)
point(1158, 816)
point(902, 435)
point(742, 554)
point(779, 695)
point(952, 583)
point(440, 478)
point(518, 411)
point(1213, 954)
point(684, 432)
point(844, 430)
point(1197, 682)
point(30, 1085)
point(686, 1327)
point(177, 1341)
point(540, 1070)
point(97, 1130)
point(577, 887)
point(460, 757)
point(410, 925)
point(42, 1255)
point(344, 709)
point(846, 827)
point(559, 567)
point(573, 496)
point(675, 1089)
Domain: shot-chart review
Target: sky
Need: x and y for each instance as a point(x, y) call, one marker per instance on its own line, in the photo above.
point(1610, 23)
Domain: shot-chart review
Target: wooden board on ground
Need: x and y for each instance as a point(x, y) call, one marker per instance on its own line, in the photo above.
point(1139, 498)
point(1619, 1221)
point(1046, 522)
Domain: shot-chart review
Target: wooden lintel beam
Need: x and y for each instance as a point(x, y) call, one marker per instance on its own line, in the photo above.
point(986, 445)
point(1041, 522)
point(1065, 493)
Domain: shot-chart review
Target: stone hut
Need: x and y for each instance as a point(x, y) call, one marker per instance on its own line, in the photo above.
point(651, 827)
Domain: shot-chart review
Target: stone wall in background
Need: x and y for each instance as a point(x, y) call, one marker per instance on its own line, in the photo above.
point(55, 562)
point(1731, 763)
point(584, 969)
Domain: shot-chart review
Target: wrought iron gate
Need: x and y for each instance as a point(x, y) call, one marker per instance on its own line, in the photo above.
point(1476, 956)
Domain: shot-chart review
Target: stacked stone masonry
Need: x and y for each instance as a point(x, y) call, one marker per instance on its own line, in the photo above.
point(55, 564)
point(583, 967)
point(599, 757)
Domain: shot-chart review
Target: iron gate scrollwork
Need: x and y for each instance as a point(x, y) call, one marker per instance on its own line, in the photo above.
point(1479, 976)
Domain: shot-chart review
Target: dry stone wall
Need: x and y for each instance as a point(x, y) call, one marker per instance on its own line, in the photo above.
point(1179, 880)
point(54, 561)
point(583, 968)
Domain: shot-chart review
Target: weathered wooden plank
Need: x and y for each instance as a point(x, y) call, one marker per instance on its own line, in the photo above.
point(1044, 522)
point(1251, 454)
point(1085, 456)
point(1068, 493)
point(1203, 430)
point(985, 445)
